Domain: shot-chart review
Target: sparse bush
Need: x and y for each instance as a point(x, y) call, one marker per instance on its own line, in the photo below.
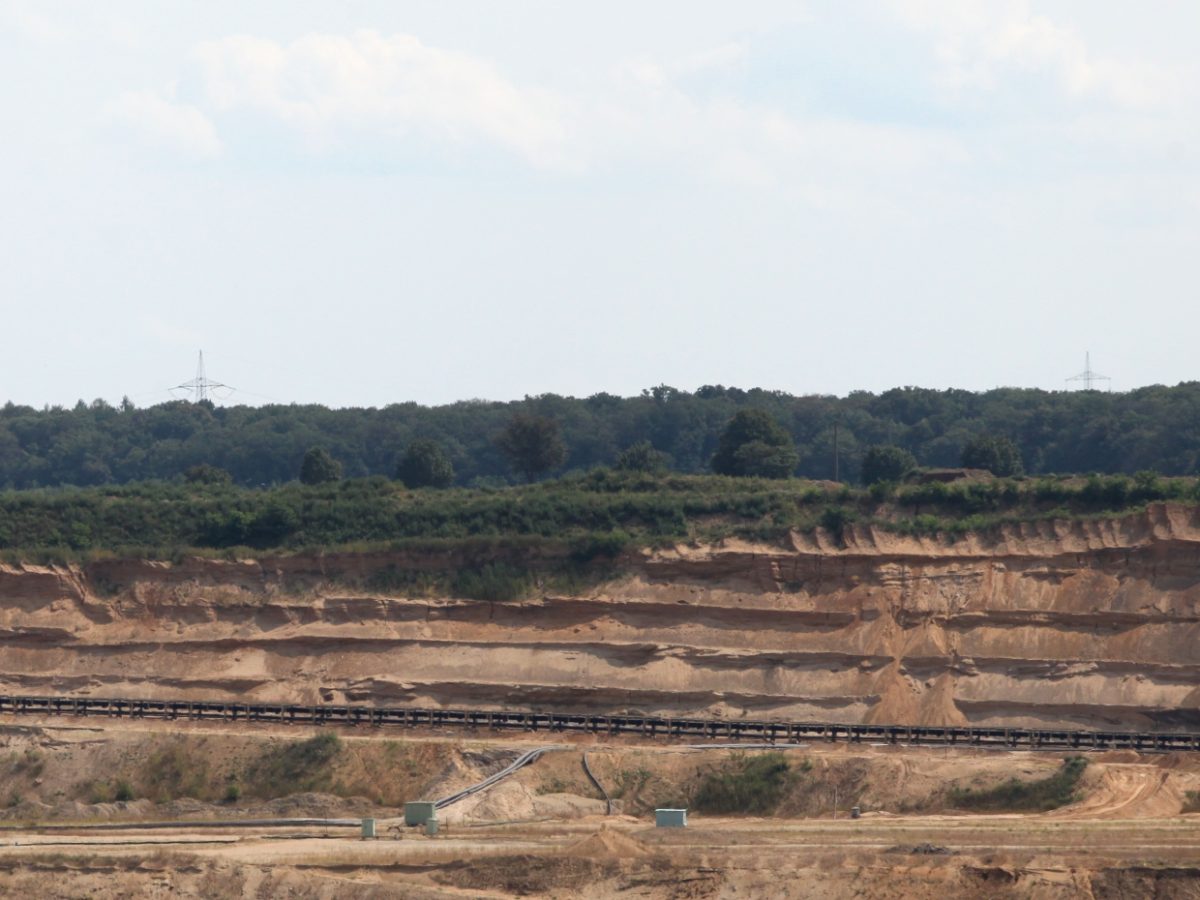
point(1015, 795)
point(495, 582)
point(295, 767)
point(750, 785)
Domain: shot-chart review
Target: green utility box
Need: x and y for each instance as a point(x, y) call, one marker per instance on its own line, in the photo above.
point(419, 812)
point(368, 826)
point(670, 818)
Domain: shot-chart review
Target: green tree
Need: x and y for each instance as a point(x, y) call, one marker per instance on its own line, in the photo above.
point(532, 444)
point(425, 464)
point(318, 467)
point(886, 462)
point(996, 453)
point(206, 474)
point(641, 457)
point(755, 444)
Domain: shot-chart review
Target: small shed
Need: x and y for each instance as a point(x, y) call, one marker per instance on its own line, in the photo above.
point(419, 812)
point(670, 818)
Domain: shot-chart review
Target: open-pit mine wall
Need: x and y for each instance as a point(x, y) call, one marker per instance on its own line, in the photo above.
point(1089, 623)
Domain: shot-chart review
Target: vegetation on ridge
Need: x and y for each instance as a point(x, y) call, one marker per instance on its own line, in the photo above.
point(582, 518)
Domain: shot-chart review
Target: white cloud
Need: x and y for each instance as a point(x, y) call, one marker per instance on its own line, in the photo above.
point(982, 43)
point(651, 116)
point(325, 84)
point(29, 23)
point(335, 90)
point(162, 121)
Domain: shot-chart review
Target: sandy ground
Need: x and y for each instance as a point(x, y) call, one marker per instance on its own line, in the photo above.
point(542, 833)
point(596, 857)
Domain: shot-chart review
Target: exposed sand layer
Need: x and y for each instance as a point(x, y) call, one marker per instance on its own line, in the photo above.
point(541, 833)
point(1082, 623)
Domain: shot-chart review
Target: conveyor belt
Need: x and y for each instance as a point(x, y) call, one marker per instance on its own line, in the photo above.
point(661, 727)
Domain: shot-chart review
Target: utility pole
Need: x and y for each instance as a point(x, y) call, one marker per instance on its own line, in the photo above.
point(1087, 377)
point(200, 387)
point(835, 452)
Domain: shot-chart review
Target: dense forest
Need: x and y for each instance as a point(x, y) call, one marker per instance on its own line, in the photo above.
point(1152, 428)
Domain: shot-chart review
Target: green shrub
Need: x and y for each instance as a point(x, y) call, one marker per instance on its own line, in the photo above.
point(521, 533)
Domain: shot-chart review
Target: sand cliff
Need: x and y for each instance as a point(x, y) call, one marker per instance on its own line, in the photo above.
point(1088, 623)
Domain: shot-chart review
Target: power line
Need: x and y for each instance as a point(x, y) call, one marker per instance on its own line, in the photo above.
point(1087, 377)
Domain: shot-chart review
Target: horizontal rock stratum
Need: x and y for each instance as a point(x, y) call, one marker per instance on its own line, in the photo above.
point(1079, 623)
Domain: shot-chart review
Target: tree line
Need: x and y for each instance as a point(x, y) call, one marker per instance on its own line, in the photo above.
point(473, 442)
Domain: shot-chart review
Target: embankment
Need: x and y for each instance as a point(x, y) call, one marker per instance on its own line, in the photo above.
point(1084, 623)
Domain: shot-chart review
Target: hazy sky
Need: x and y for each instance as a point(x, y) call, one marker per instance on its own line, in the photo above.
point(359, 203)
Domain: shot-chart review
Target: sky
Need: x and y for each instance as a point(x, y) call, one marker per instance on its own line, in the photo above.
point(365, 203)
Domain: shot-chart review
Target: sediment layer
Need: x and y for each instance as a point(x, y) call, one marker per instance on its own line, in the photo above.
point(1081, 623)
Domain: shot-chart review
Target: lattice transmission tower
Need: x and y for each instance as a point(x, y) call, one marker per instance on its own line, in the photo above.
point(1088, 378)
point(201, 388)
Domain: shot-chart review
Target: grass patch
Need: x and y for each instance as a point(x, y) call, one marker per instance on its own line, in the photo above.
point(107, 791)
point(630, 782)
point(749, 785)
point(29, 764)
point(1015, 795)
point(171, 773)
point(293, 768)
